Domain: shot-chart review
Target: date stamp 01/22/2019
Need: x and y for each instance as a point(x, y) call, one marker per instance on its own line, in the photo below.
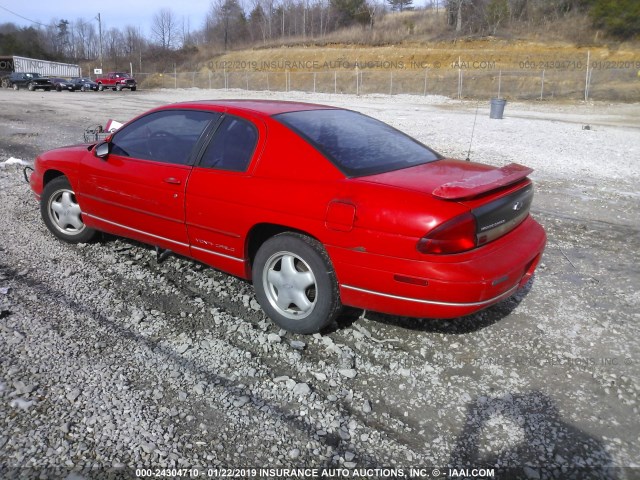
point(308, 473)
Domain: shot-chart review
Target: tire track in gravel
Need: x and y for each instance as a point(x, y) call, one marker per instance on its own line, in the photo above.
point(95, 255)
point(93, 262)
point(121, 339)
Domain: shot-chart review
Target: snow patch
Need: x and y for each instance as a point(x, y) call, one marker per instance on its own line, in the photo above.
point(14, 161)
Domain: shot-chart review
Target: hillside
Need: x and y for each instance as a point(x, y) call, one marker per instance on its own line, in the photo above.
point(465, 68)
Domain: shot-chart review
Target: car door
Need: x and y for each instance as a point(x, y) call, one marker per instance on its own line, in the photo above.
point(217, 213)
point(138, 189)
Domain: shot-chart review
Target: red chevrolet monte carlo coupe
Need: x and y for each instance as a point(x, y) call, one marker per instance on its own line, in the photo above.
point(319, 207)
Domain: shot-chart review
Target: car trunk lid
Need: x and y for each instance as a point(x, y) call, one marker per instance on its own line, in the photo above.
point(498, 198)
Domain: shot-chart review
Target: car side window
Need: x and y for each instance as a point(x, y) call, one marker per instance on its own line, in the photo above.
point(168, 136)
point(232, 145)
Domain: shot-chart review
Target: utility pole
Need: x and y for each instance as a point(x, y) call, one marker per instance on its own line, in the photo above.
point(100, 34)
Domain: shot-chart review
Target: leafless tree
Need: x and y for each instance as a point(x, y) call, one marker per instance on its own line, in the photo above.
point(374, 8)
point(164, 29)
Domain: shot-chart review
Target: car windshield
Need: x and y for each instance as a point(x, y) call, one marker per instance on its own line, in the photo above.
point(358, 145)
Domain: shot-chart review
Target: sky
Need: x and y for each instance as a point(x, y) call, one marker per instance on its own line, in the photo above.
point(118, 14)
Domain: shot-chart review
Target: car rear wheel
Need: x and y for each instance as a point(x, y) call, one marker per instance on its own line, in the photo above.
point(61, 212)
point(295, 283)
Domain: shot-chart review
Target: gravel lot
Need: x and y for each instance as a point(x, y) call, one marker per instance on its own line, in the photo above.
point(109, 360)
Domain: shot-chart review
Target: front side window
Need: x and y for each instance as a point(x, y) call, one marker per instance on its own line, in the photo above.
point(232, 145)
point(168, 136)
point(357, 144)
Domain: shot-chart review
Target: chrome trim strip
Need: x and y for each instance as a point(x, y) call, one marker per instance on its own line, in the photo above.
point(218, 254)
point(163, 238)
point(433, 302)
point(135, 230)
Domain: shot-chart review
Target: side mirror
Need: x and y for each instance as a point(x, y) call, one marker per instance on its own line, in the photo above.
point(101, 150)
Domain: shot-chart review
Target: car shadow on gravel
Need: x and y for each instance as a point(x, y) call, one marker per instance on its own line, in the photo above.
point(523, 435)
point(460, 325)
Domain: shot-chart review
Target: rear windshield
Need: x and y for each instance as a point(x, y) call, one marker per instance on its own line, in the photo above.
point(358, 145)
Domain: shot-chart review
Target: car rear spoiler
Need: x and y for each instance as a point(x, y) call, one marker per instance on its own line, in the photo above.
point(483, 182)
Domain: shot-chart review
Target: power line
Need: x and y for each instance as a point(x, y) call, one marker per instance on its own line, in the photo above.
point(24, 18)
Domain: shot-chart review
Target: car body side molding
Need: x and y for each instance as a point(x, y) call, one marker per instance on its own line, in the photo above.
point(434, 302)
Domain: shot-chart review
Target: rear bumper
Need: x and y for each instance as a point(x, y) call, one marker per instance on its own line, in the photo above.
point(445, 286)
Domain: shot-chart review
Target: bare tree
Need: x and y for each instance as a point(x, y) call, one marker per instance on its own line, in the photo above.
point(84, 39)
point(165, 28)
point(260, 20)
point(495, 13)
point(374, 9)
point(114, 45)
point(455, 11)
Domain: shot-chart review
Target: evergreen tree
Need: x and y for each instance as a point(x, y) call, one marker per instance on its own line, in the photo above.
point(350, 11)
point(619, 18)
point(400, 5)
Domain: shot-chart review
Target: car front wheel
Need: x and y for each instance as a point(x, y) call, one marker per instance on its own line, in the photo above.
point(31, 87)
point(295, 283)
point(61, 212)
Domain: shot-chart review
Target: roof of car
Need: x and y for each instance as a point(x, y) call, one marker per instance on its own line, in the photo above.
point(265, 107)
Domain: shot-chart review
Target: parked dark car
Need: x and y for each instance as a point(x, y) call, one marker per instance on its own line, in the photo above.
point(84, 84)
point(62, 84)
point(32, 81)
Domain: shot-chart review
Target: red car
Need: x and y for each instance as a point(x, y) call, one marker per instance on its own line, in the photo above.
point(319, 207)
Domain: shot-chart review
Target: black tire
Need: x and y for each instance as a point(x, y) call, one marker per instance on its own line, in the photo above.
point(58, 88)
point(133, 89)
point(118, 87)
point(308, 299)
point(31, 87)
point(61, 212)
point(15, 86)
point(100, 87)
point(83, 89)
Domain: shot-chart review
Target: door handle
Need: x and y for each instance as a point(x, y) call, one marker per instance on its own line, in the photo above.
point(172, 180)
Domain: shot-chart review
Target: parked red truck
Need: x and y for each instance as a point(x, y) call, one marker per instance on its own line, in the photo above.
point(116, 81)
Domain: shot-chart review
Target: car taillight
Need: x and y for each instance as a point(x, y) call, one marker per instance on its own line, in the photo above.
point(455, 236)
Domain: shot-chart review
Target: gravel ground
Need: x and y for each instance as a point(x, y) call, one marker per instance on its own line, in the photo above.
point(110, 361)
